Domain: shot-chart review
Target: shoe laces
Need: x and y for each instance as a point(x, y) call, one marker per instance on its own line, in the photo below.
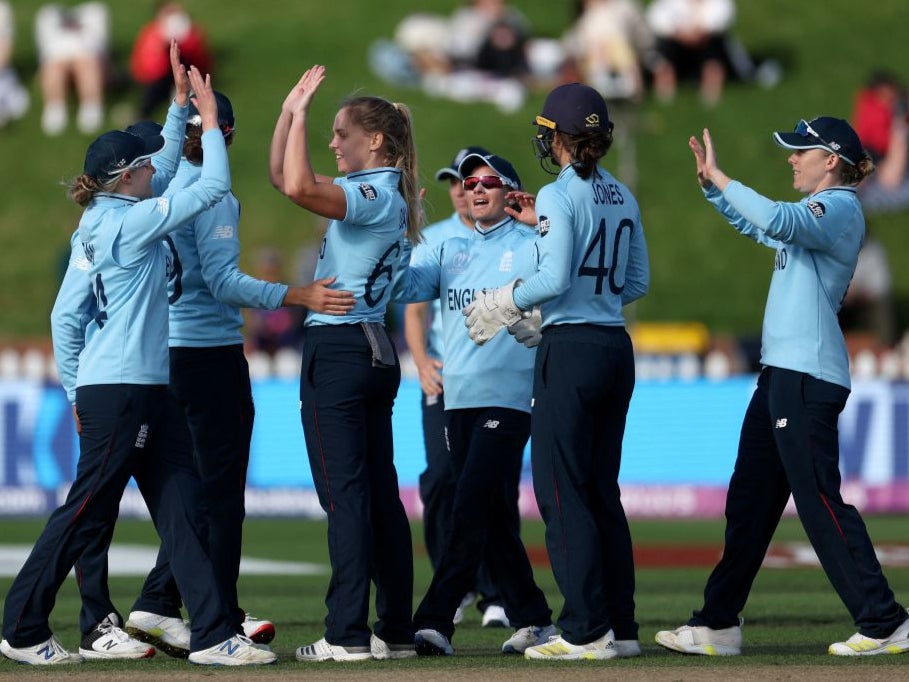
point(108, 628)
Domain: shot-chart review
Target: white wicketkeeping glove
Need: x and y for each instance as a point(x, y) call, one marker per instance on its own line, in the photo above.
point(491, 310)
point(527, 329)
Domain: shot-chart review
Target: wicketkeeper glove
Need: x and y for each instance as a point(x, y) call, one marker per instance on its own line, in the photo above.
point(491, 310)
point(527, 330)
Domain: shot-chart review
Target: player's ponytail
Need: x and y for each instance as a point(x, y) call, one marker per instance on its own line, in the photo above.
point(853, 175)
point(375, 114)
point(586, 150)
point(84, 188)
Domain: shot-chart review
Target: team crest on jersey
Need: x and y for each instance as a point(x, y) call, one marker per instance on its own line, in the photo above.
point(544, 225)
point(817, 209)
point(459, 263)
point(223, 232)
point(368, 192)
point(163, 205)
point(506, 262)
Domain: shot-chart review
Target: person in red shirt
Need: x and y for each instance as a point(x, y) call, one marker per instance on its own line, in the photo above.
point(149, 62)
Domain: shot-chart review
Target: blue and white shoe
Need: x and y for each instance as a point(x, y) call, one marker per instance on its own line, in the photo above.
point(238, 650)
point(49, 652)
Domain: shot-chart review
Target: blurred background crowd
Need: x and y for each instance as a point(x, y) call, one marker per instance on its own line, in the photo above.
point(488, 59)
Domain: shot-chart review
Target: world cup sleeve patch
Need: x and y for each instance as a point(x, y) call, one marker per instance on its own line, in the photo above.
point(544, 225)
point(817, 209)
point(368, 192)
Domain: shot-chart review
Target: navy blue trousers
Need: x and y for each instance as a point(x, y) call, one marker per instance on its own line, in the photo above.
point(121, 437)
point(487, 446)
point(583, 381)
point(789, 443)
point(210, 419)
point(345, 407)
point(437, 490)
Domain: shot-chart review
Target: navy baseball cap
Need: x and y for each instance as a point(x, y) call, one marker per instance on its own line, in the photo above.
point(226, 120)
point(145, 129)
point(824, 132)
point(575, 109)
point(501, 166)
point(451, 172)
point(117, 151)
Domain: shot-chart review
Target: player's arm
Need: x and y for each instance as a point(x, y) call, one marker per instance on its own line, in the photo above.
point(637, 271)
point(73, 309)
point(300, 183)
point(415, 315)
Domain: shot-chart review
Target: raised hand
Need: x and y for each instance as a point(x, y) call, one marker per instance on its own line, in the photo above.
point(700, 160)
point(522, 207)
point(300, 96)
point(204, 98)
point(708, 171)
point(181, 80)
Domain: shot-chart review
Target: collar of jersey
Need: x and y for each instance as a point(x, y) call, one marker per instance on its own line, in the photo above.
point(489, 232)
point(840, 188)
point(387, 174)
point(113, 195)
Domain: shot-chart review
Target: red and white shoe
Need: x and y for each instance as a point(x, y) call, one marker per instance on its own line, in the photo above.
point(258, 630)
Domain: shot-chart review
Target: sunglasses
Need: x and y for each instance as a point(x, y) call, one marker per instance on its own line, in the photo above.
point(488, 182)
point(805, 130)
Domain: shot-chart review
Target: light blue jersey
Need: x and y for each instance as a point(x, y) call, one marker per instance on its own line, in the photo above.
point(499, 373)
point(206, 288)
point(433, 235)
point(73, 310)
point(75, 305)
point(366, 249)
point(817, 242)
point(593, 255)
point(126, 341)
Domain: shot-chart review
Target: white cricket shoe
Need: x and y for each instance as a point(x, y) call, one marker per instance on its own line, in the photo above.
point(532, 635)
point(49, 652)
point(495, 617)
point(430, 642)
point(383, 651)
point(320, 651)
point(170, 635)
point(258, 630)
point(701, 640)
point(859, 645)
point(238, 650)
point(558, 649)
point(108, 642)
point(627, 648)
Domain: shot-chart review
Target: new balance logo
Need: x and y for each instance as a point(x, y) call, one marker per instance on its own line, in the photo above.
point(48, 652)
point(491, 424)
point(110, 644)
point(781, 423)
point(230, 646)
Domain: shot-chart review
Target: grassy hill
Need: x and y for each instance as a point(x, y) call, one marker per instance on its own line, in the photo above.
point(701, 271)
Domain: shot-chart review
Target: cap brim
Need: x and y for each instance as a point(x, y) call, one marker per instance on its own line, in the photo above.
point(796, 141)
point(447, 173)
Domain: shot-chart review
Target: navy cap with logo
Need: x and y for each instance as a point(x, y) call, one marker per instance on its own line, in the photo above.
point(824, 132)
point(117, 151)
point(226, 120)
point(451, 172)
point(502, 167)
point(576, 109)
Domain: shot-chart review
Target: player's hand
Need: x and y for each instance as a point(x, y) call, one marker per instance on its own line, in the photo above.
point(491, 310)
point(430, 377)
point(700, 159)
point(300, 96)
point(522, 207)
point(204, 98)
point(321, 298)
point(527, 330)
point(181, 79)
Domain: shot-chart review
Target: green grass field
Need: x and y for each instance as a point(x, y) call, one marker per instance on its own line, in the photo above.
point(700, 270)
point(792, 616)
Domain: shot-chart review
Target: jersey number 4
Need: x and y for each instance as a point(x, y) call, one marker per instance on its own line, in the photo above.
point(599, 269)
